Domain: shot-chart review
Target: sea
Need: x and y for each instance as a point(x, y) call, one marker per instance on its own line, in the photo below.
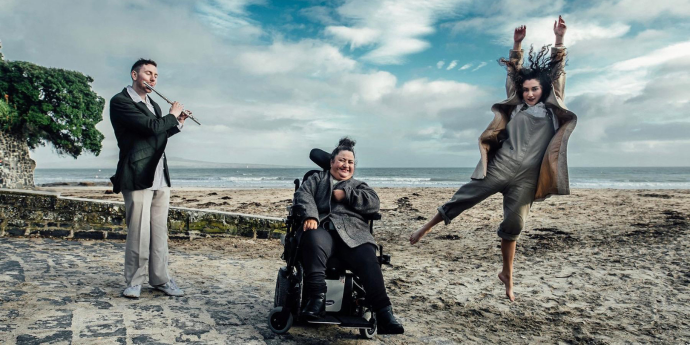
point(580, 177)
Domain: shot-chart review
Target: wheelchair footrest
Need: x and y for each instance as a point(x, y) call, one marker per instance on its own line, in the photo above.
point(344, 321)
point(326, 320)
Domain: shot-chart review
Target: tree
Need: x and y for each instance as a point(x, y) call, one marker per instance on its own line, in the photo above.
point(51, 105)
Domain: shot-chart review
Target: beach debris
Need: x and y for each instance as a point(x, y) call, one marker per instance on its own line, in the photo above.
point(655, 195)
point(547, 239)
point(210, 203)
point(672, 225)
point(568, 276)
point(405, 204)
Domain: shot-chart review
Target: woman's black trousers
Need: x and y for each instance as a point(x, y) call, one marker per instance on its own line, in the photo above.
point(319, 245)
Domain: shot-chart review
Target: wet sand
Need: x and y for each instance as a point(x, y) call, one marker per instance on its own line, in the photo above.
point(597, 266)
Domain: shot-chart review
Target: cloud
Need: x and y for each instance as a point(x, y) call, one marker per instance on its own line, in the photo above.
point(368, 87)
point(482, 64)
point(267, 97)
point(440, 64)
point(429, 99)
point(628, 77)
point(357, 37)
point(319, 14)
point(539, 29)
point(258, 102)
point(639, 10)
point(309, 57)
point(657, 57)
point(452, 65)
point(230, 18)
point(394, 28)
point(644, 127)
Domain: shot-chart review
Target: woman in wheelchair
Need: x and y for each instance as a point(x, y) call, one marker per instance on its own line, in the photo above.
point(334, 226)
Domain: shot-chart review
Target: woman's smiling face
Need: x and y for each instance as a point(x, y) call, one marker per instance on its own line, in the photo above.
point(531, 91)
point(343, 165)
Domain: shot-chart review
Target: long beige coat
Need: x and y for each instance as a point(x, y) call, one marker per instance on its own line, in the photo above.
point(553, 175)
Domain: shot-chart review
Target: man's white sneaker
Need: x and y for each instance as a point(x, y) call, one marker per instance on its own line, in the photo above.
point(132, 291)
point(170, 288)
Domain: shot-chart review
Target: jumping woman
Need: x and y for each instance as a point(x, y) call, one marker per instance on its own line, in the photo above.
point(523, 150)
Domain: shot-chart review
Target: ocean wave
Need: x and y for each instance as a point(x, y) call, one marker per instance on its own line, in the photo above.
point(240, 179)
point(629, 185)
point(395, 179)
point(591, 178)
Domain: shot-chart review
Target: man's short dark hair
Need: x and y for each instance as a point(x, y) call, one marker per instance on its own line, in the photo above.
point(140, 63)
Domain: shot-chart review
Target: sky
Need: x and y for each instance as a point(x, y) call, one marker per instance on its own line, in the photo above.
point(412, 81)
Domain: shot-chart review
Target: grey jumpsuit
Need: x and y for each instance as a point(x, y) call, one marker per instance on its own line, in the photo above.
point(513, 171)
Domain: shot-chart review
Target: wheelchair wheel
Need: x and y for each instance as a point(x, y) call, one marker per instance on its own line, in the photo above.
point(368, 333)
point(279, 322)
point(282, 287)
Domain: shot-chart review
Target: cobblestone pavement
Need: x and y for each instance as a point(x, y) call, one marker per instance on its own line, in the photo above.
point(69, 292)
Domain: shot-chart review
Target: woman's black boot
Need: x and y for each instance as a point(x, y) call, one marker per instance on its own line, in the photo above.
point(386, 322)
point(316, 307)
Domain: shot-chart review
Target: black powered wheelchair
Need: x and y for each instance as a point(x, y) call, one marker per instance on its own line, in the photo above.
point(345, 297)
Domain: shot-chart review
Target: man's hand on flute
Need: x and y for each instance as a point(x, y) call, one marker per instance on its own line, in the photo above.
point(177, 109)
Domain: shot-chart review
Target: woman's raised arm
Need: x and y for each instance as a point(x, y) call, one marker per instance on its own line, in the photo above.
point(559, 29)
point(515, 57)
point(558, 55)
point(518, 36)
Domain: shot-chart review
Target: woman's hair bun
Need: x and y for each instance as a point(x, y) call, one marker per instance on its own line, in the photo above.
point(347, 142)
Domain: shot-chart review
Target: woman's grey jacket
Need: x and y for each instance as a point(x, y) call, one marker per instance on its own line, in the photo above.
point(315, 195)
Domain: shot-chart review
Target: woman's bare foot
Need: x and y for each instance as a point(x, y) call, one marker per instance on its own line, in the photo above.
point(508, 282)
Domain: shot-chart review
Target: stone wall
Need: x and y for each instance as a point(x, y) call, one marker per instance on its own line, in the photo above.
point(37, 213)
point(16, 166)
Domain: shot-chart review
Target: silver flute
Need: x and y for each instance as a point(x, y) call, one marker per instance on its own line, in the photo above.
point(189, 115)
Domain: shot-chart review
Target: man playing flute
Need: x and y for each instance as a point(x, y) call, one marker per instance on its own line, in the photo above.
point(143, 178)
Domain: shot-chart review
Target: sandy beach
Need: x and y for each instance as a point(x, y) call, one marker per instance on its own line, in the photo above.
point(597, 266)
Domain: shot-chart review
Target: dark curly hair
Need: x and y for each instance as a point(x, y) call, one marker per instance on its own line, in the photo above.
point(345, 144)
point(542, 67)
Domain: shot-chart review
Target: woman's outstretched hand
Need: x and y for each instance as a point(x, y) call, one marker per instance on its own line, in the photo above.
point(559, 29)
point(518, 36)
point(520, 33)
point(310, 224)
point(417, 235)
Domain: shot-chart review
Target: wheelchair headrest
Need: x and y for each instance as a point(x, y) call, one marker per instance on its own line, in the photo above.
point(321, 158)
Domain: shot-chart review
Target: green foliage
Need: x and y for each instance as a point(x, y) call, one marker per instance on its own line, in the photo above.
point(4, 110)
point(51, 105)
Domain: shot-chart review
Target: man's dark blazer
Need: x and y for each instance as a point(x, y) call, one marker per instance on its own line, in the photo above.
point(141, 137)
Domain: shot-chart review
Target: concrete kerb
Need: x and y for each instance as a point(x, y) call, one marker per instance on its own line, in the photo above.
point(47, 214)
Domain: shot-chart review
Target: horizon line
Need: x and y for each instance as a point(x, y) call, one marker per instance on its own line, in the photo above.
point(372, 167)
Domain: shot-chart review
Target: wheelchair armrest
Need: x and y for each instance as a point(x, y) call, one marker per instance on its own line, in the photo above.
point(372, 216)
point(298, 211)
